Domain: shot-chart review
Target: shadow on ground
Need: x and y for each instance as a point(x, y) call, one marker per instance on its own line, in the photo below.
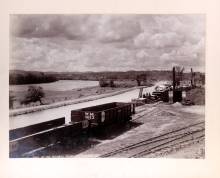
point(113, 131)
point(76, 145)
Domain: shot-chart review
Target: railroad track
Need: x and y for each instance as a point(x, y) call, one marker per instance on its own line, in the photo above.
point(143, 112)
point(178, 137)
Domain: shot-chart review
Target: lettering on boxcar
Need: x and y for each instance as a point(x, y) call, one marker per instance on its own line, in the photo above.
point(86, 115)
point(89, 115)
point(92, 115)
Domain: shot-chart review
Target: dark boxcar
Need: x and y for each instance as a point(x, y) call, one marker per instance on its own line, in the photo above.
point(44, 138)
point(104, 114)
point(31, 129)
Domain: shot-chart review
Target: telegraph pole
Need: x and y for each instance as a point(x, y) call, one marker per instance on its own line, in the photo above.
point(174, 79)
point(174, 85)
point(192, 78)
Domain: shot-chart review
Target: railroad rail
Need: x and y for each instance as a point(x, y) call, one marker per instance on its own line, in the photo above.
point(146, 113)
point(187, 134)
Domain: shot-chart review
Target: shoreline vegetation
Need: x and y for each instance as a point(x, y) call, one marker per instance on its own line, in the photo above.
point(18, 77)
point(55, 96)
point(118, 82)
point(106, 93)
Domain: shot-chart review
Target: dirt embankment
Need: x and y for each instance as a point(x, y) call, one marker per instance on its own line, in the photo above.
point(196, 95)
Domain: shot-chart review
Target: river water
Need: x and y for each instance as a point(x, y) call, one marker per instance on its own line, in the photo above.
point(60, 85)
point(65, 111)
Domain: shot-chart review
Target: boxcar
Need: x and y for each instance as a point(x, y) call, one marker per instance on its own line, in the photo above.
point(104, 114)
point(44, 138)
point(31, 129)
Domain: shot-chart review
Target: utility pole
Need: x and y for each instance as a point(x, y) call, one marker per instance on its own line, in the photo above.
point(174, 83)
point(174, 79)
point(192, 78)
point(181, 74)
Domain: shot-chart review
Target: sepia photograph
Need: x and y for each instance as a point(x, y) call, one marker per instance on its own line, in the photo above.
point(107, 86)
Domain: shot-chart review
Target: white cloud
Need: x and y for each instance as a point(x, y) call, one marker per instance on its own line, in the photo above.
point(158, 40)
point(117, 28)
point(162, 40)
point(166, 56)
point(142, 40)
point(106, 42)
point(142, 54)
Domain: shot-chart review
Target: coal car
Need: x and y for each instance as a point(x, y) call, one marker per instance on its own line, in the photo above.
point(104, 114)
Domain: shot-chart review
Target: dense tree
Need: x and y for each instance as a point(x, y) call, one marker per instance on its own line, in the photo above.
point(103, 83)
point(141, 79)
point(112, 83)
point(106, 83)
point(23, 77)
point(34, 94)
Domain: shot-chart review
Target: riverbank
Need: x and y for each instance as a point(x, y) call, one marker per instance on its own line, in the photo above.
point(64, 90)
point(54, 96)
point(102, 93)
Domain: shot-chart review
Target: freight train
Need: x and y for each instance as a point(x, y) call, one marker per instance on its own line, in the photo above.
point(38, 136)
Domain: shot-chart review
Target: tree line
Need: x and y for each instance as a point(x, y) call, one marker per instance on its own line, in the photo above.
point(30, 77)
point(18, 78)
point(116, 75)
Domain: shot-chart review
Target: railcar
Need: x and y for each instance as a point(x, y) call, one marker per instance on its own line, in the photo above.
point(104, 114)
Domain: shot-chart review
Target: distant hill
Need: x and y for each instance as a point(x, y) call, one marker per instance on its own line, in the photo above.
point(31, 77)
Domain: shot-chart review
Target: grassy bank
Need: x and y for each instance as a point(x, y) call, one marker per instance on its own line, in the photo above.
point(27, 110)
point(57, 96)
point(52, 97)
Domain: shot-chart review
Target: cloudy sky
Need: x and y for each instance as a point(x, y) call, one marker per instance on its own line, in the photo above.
point(106, 42)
